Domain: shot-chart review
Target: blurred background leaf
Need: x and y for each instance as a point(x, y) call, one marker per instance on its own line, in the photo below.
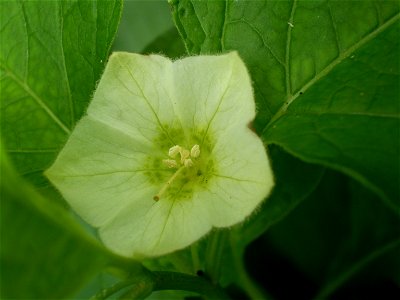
point(141, 23)
point(168, 43)
point(147, 27)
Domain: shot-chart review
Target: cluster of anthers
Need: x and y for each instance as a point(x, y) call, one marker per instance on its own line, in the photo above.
point(185, 161)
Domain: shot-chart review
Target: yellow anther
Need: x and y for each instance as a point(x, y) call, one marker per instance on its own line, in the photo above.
point(195, 151)
point(188, 162)
point(184, 154)
point(170, 163)
point(173, 151)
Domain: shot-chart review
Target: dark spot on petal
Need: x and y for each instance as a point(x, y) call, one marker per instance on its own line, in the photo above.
point(251, 127)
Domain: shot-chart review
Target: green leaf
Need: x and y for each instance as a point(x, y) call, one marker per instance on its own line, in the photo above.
point(44, 253)
point(381, 254)
point(200, 23)
point(142, 22)
point(373, 234)
point(51, 55)
point(326, 87)
point(350, 119)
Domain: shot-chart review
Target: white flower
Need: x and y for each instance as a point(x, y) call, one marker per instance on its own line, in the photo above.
point(165, 153)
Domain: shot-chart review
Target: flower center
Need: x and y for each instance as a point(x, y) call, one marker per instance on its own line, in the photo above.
point(186, 159)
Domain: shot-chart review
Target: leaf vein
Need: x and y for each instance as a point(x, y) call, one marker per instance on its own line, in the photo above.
point(329, 68)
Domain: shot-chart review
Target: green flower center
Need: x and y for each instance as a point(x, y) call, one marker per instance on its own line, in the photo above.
point(183, 169)
point(186, 160)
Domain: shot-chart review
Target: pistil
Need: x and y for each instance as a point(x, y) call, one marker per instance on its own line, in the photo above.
point(167, 184)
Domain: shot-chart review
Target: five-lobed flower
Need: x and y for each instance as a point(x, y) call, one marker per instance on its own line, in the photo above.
point(165, 153)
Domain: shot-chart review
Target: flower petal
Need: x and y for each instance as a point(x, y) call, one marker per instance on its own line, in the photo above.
point(243, 177)
point(147, 228)
point(100, 170)
point(133, 96)
point(213, 91)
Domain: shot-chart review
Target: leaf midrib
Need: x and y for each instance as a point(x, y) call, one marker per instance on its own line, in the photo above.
point(291, 98)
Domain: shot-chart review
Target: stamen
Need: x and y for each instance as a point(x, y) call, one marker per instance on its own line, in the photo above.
point(185, 162)
point(188, 162)
point(170, 163)
point(195, 151)
point(184, 154)
point(167, 184)
point(173, 151)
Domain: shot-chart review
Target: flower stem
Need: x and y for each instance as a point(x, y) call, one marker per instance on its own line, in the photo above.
point(215, 249)
point(141, 286)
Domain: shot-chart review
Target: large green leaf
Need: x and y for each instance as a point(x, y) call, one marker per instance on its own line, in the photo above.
point(325, 76)
point(51, 55)
point(349, 120)
point(44, 253)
